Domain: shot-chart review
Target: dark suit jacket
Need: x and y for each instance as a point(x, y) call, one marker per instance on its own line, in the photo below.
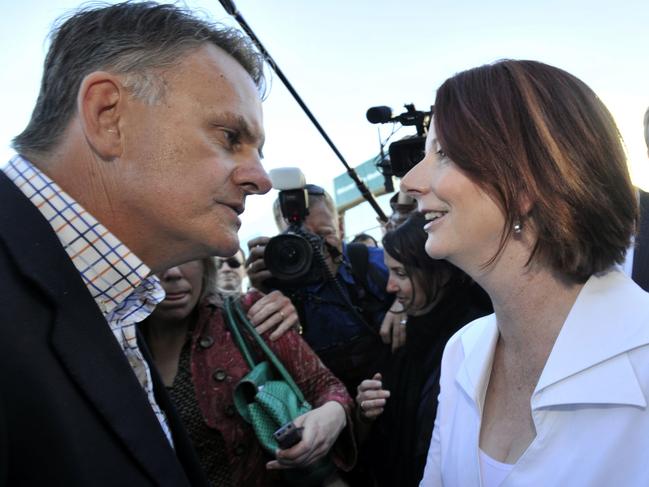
point(641, 252)
point(72, 412)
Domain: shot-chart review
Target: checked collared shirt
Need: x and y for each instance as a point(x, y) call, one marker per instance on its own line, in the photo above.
point(118, 281)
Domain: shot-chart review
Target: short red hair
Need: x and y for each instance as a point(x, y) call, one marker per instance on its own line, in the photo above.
point(527, 131)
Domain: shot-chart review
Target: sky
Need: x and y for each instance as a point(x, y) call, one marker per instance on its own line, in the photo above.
point(344, 56)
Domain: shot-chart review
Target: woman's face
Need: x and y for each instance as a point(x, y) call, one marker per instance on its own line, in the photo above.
point(406, 289)
point(464, 224)
point(183, 285)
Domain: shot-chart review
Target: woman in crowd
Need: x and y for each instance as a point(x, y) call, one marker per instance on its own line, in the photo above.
point(438, 299)
point(201, 364)
point(525, 187)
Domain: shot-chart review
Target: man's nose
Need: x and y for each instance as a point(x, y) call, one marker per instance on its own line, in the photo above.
point(254, 179)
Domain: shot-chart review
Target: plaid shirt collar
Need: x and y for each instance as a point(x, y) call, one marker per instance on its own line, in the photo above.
point(109, 269)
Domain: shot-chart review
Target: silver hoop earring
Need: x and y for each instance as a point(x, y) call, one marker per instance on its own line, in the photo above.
point(518, 228)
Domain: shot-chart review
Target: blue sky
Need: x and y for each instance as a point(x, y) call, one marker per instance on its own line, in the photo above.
point(345, 56)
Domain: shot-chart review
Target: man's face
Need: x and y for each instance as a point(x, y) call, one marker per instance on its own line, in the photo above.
point(322, 222)
point(230, 273)
point(190, 159)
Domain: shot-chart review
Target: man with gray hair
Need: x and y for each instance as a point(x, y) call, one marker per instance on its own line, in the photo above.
point(144, 143)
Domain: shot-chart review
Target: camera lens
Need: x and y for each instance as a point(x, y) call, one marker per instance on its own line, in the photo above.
point(288, 257)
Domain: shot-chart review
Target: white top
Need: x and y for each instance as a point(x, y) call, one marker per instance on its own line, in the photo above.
point(492, 471)
point(589, 407)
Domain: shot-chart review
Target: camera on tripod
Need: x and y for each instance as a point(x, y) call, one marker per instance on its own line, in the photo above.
point(295, 256)
point(408, 151)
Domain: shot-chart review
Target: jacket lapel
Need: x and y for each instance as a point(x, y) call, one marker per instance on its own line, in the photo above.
point(82, 339)
point(478, 343)
point(641, 251)
point(591, 349)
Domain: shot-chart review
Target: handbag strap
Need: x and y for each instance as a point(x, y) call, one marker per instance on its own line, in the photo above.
point(238, 338)
point(233, 305)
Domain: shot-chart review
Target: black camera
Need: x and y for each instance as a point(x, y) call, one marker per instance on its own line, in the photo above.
point(407, 152)
point(295, 256)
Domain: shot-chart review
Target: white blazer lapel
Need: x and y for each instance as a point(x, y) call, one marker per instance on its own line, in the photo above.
point(478, 343)
point(589, 362)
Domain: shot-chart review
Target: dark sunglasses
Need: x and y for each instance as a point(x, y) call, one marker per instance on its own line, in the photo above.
point(233, 263)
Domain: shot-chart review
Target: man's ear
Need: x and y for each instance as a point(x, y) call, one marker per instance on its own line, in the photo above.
point(101, 99)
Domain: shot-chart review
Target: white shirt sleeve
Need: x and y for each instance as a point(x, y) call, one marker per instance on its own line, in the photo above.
point(433, 472)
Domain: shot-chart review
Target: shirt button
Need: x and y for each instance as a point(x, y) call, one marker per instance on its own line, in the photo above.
point(219, 375)
point(229, 410)
point(206, 341)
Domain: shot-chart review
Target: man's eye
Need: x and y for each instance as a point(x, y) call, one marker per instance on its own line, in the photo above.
point(232, 138)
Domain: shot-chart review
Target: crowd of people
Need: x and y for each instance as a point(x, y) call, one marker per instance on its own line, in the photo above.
point(497, 335)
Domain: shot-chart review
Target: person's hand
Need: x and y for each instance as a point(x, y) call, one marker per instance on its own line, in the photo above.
point(273, 310)
point(371, 398)
point(321, 429)
point(255, 265)
point(393, 329)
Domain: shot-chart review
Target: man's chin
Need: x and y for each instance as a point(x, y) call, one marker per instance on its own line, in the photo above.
point(227, 246)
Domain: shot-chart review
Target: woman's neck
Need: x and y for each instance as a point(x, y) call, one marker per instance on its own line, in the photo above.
point(531, 303)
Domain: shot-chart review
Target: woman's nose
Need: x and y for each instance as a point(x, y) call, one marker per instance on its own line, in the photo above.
point(171, 273)
point(416, 181)
point(391, 286)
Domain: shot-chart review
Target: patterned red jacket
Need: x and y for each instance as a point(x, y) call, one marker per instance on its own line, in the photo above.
point(217, 366)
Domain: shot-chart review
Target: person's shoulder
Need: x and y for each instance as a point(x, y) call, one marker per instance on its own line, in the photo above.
point(615, 287)
point(470, 343)
point(375, 257)
point(472, 334)
point(375, 252)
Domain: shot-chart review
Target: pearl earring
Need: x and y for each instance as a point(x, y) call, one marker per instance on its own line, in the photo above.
point(518, 228)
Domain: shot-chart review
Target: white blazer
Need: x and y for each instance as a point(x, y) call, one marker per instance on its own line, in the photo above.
point(589, 406)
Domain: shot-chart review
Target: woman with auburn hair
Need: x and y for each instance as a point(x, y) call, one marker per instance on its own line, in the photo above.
point(525, 187)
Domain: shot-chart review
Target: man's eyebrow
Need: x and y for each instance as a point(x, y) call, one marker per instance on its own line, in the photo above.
point(238, 123)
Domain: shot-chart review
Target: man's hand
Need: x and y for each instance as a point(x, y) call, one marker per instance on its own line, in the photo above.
point(393, 329)
point(273, 310)
point(321, 429)
point(255, 265)
point(371, 398)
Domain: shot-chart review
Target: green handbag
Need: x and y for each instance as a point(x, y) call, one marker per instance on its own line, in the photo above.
point(268, 397)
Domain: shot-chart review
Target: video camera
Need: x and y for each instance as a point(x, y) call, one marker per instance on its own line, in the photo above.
point(295, 257)
point(408, 151)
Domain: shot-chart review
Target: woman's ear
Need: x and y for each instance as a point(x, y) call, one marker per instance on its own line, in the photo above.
point(100, 101)
point(524, 203)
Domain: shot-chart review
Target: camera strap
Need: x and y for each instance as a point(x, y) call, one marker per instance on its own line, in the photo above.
point(335, 282)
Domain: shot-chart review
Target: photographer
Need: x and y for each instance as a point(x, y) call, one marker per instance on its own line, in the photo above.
point(341, 329)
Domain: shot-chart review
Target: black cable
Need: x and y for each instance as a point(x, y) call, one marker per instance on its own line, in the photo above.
point(231, 9)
